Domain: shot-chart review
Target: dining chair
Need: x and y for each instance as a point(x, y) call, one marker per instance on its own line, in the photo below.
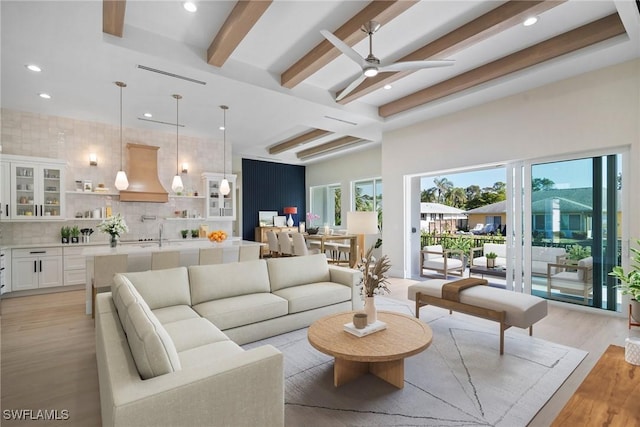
point(286, 249)
point(248, 253)
point(274, 246)
point(165, 259)
point(300, 246)
point(104, 268)
point(210, 256)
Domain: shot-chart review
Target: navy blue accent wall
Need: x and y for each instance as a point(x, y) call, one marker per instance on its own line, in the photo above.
point(269, 186)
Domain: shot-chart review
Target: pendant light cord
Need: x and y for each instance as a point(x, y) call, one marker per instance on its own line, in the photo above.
point(120, 127)
point(177, 97)
point(224, 140)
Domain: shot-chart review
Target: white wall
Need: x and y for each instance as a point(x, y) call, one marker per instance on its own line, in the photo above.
point(597, 110)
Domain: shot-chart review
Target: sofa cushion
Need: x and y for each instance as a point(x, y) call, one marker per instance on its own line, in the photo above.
point(218, 281)
point(308, 297)
point(152, 349)
point(242, 310)
point(190, 333)
point(499, 249)
point(162, 288)
point(300, 270)
point(124, 294)
point(203, 355)
point(173, 314)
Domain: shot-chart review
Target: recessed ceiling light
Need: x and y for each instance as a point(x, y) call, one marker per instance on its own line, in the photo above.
point(387, 87)
point(190, 6)
point(148, 115)
point(44, 95)
point(530, 21)
point(33, 67)
point(221, 128)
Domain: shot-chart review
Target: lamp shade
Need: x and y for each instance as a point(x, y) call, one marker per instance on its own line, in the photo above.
point(176, 185)
point(361, 222)
point(122, 183)
point(224, 187)
point(290, 210)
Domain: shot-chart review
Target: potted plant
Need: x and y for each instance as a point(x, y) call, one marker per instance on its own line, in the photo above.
point(310, 227)
point(65, 232)
point(75, 234)
point(491, 259)
point(195, 234)
point(184, 233)
point(373, 282)
point(630, 282)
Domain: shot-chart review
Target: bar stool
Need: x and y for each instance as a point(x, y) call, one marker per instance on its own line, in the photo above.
point(210, 256)
point(248, 253)
point(104, 268)
point(165, 259)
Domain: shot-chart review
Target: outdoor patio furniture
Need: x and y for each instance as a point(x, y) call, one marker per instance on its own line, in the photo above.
point(572, 279)
point(435, 258)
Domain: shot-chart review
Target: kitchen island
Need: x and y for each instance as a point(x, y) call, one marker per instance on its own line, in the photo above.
point(139, 255)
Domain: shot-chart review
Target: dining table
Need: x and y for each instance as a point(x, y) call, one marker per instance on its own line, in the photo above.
point(323, 238)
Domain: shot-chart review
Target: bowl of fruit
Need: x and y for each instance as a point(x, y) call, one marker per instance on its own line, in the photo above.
point(217, 236)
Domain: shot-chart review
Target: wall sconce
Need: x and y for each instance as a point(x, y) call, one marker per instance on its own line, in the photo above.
point(93, 159)
point(185, 167)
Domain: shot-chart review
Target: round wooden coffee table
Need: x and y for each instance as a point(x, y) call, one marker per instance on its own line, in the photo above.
point(381, 353)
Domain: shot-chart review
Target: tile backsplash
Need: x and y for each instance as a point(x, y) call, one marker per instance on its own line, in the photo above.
point(38, 135)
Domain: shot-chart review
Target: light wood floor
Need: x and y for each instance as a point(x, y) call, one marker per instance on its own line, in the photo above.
point(48, 353)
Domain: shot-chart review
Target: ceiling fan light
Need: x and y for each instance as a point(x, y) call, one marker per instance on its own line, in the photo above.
point(371, 71)
point(122, 183)
point(176, 185)
point(224, 187)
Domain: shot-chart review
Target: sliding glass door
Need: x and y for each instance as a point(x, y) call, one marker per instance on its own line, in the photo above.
point(574, 234)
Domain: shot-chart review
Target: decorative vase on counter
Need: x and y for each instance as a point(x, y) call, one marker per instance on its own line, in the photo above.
point(370, 309)
point(114, 241)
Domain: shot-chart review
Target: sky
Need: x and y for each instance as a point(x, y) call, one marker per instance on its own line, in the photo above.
point(565, 174)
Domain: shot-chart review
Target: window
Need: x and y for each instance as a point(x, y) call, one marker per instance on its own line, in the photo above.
point(368, 196)
point(326, 201)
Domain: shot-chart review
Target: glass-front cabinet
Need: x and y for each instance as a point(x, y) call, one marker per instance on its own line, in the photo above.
point(219, 206)
point(37, 191)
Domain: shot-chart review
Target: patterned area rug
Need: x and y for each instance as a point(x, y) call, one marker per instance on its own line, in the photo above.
point(460, 380)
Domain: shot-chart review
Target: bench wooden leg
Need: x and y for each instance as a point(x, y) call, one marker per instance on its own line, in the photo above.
point(502, 328)
point(531, 330)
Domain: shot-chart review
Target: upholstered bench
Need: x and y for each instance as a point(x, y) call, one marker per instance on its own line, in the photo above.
point(507, 308)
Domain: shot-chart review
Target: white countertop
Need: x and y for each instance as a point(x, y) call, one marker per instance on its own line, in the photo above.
point(172, 245)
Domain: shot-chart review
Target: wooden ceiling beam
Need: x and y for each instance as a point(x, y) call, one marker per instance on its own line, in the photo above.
point(329, 146)
point(480, 29)
point(589, 34)
point(113, 17)
point(382, 11)
point(242, 18)
point(298, 140)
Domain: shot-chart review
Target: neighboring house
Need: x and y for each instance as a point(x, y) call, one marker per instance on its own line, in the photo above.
point(574, 218)
point(495, 213)
point(441, 218)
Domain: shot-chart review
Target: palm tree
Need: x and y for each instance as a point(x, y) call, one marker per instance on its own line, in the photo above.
point(456, 197)
point(443, 185)
point(429, 195)
point(542, 184)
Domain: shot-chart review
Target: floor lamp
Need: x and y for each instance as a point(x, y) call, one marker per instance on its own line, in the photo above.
point(361, 223)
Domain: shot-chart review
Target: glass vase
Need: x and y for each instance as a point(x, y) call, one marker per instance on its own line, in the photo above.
point(114, 241)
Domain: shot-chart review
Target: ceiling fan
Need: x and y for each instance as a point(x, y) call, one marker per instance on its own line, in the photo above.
point(371, 65)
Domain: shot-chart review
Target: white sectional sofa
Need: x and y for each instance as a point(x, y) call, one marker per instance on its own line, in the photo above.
point(168, 341)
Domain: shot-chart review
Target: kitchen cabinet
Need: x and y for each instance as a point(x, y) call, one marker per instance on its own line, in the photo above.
point(75, 266)
point(5, 189)
point(36, 188)
point(219, 206)
point(5, 271)
point(36, 268)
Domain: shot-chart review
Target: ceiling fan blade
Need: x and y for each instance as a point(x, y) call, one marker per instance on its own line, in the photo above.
point(343, 47)
point(415, 65)
point(354, 84)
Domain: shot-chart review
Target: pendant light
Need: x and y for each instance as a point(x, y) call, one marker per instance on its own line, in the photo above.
point(224, 184)
point(122, 183)
point(176, 185)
